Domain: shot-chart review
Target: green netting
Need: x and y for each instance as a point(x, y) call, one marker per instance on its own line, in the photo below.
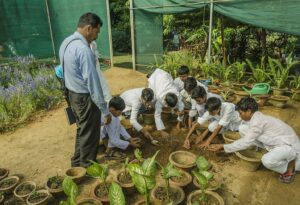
point(24, 28)
point(64, 17)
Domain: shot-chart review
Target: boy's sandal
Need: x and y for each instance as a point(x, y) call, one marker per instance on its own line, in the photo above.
point(115, 155)
point(287, 178)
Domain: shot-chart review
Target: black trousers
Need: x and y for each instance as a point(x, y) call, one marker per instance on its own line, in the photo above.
point(88, 117)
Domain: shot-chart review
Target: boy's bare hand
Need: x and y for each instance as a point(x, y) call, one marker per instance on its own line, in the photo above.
point(215, 147)
point(135, 142)
point(204, 145)
point(187, 144)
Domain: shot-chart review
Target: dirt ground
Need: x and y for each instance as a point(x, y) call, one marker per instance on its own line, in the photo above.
point(43, 148)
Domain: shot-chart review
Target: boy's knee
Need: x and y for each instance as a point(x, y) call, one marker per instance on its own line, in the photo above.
point(268, 162)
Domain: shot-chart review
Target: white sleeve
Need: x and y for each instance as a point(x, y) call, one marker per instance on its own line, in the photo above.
point(157, 116)
point(114, 132)
point(193, 111)
point(206, 116)
point(134, 115)
point(227, 116)
point(124, 133)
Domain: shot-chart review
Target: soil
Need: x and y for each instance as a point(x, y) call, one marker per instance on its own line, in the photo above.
point(55, 182)
point(14, 201)
point(161, 194)
point(101, 191)
point(37, 197)
point(24, 189)
point(7, 183)
point(2, 172)
point(124, 178)
point(43, 147)
point(210, 200)
point(181, 179)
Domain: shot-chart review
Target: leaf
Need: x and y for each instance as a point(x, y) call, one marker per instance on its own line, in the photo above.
point(70, 188)
point(202, 180)
point(202, 163)
point(116, 196)
point(169, 171)
point(138, 154)
point(149, 165)
point(97, 170)
point(207, 174)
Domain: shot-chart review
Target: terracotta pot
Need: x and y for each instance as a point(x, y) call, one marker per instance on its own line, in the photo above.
point(3, 173)
point(238, 86)
point(105, 199)
point(178, 190)
point(1, 198)
point(43, 201)
point(240, 94)
point(148, 118)
point(296, 95)
point(9, 189)
point(23, 197)
point(250, 158)
point(55, 192)
point(230, 99)
point(279, 91)
point(197, 193)
point(128, 188)
point(278, 101)
point(183, 184)
point(183, 159)
point(76, 174)
point(214, 184)
point(230, 136)
point(261, 99)
point(88, 200)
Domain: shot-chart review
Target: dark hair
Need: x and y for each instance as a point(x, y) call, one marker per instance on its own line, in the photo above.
point(147, 94)
point(89, 19)
point(190, 84)
point(198, 92)
point(213, 104)
point(171, 99)
point(117, 102)
point(182, 70)
point(246, 104)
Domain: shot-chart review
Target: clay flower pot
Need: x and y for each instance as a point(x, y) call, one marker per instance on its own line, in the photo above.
point(125, 182)
point(88, 200)
point(261, 99)
point(230, 136)
point(100, 192)
point(166, 114)
point(159, 196)
point(183, 159)
point(182, 181)
point(1, 198)
point(3, 173)
point(240, 94)
point(250, 158)
point(296, 95)
point(212, 196)
point(214, 184)
point(278, 101)
point(39, 197)
point(54, 186)
point(148, 118)
point(279, 91)
point(76, 174)
point(8, 184)
point(238, 86)
point(23, 190)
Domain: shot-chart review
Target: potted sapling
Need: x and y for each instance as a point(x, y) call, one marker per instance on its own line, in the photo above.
point(55, 186)
point(143, 177)
point(227, 95)
point(23, 190)
point(124, 179)
point(8, 184)
point(295, 83)
point(163, 194)
point(39, 197)
point(238, 71)
point(71, 190)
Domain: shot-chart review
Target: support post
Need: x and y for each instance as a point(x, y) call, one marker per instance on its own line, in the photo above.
point(210, 30)
point(50, 27)
point(109, 34)
point(132, 35)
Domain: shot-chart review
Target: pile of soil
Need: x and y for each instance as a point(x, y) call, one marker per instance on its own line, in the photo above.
point(124, 178)
point(101, 191)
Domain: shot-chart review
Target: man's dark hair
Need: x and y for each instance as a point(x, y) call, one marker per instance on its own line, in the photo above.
point(198, 92)
point(117, 102)
point(89, 19)
point(190, 84)
point(171, 99)
point(213, 104)
point(246, 104)
point(147, 94)
point(182, 70)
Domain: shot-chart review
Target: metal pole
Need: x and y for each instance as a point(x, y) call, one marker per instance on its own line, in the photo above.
point(132, 35)
point(109, 34)
point(210, 30)
point(50, 27)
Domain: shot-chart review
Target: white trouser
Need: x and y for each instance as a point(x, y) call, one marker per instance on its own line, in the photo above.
point(278, 158)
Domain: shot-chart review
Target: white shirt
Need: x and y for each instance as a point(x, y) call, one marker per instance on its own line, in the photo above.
point(228, 117)
point(161, 83)
point(270, 131)
point(179, 84)
point(115, 130)
point(132, 99)
point(200, 109)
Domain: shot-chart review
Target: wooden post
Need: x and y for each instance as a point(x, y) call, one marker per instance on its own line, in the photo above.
point(50, 27)
point(109, 34)
point(210, 30)
point(132, 35)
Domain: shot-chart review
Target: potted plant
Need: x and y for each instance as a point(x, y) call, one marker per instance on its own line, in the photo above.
point(163, 194)
point(116, 196)
point(295, 83)
point(71, 190)
point(183, 159)
point(143, 177)
point(100, 189)
point(227, 95)
point(124, 179)
point(259, 74)
point(23, 190)
point(76, 174)
point(54, 186)
point(223, 73)
point(39, 197)
point(8, 184)
point(238, 71)
point(3, 173)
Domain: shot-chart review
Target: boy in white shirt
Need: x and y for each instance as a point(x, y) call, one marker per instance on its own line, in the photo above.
point(117, 135)
point(199, 98)
point(182, 73)
point(166, 95)
point(223, 117)
point(137, 101)
point(278, 138)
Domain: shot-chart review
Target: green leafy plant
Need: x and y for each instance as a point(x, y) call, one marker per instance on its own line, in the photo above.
point(223, 73)
point(225, 94)
point(138, 155)
point(168, 172)
point(295, 82)
point(203, 176)
point(116, 195)
point(100, 171)
point(259, 74)
point(143, 176)
point(238, 71)
point(71, 190)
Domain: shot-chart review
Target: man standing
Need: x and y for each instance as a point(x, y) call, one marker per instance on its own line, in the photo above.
point(84, 88)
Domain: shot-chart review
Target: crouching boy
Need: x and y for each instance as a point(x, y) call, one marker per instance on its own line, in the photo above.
point(278, 138)
point(115, 133)
point(222, 116)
